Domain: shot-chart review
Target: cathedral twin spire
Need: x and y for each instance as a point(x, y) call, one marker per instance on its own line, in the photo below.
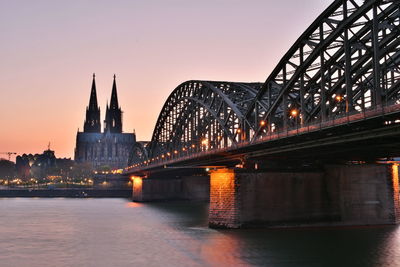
point(92, 122)
point(113, 121)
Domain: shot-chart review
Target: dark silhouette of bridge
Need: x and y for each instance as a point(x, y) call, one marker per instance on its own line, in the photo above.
point(334, 94)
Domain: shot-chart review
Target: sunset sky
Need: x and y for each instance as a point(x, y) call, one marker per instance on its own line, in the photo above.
point(50, 48)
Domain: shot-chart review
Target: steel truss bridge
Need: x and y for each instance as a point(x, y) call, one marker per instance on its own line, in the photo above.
point(335, 92)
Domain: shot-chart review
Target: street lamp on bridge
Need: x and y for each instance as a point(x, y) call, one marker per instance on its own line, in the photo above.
point(294, 113)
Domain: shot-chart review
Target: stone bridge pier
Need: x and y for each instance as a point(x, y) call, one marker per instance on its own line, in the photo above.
point(338, 195)
point(171, 188)
point(366, 194)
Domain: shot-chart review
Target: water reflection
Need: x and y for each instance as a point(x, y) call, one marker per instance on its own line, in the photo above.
point(345, 246)
point(115, 232)
point(223, 251)
point(133, 205)
point(388, 251)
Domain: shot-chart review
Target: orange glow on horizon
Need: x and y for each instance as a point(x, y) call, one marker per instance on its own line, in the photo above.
point(46, 85)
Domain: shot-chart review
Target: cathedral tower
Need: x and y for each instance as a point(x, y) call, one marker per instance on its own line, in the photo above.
point(113, 121)
point(92, 121)
point(111, 148)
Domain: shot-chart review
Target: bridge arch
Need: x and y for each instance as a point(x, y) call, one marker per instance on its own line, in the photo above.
point(200, 115)
point(346, 62)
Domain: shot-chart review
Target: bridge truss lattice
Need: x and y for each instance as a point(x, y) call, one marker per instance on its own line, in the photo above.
point(346, 62)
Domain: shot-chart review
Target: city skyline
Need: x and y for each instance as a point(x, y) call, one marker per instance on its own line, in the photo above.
point(200, 133)
point(52, 48)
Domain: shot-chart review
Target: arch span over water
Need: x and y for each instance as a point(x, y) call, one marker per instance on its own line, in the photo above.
point(346, 62)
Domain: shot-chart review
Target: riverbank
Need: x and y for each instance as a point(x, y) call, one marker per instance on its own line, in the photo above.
point(67, 192)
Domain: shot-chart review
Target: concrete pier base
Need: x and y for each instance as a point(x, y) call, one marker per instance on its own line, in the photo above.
point(366, 194)
point(196, 188)
point(155, 189)
point(339, 195)
point(183, 188)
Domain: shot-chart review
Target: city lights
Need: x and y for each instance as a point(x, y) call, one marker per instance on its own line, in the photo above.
point(192, 159)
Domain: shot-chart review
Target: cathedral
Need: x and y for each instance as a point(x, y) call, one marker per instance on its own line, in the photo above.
point(110, 148)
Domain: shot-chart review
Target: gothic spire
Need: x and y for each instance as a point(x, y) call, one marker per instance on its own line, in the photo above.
point(92, 121)
point(93, 95)
point(113, 121)
point(114, 97)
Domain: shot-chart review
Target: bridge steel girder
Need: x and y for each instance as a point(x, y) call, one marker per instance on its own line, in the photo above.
point(322, 64)
point(346, 63)
point(202, 111)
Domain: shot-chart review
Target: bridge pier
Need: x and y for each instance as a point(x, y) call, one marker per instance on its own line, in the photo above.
point(338, 195)
point(145, 189)
point(173, 188)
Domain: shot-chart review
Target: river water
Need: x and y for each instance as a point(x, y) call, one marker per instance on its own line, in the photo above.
point(116, 232)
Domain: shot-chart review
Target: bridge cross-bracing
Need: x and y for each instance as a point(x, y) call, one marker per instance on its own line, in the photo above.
point(345, 68)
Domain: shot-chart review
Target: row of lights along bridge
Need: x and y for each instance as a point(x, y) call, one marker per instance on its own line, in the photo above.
point(204, 143)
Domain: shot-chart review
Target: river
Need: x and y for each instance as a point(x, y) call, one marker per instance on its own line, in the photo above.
point(116, 232)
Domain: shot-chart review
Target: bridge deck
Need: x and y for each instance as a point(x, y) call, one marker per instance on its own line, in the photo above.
point(369, 125)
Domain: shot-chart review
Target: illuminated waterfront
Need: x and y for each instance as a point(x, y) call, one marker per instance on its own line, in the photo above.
point(115, 232)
